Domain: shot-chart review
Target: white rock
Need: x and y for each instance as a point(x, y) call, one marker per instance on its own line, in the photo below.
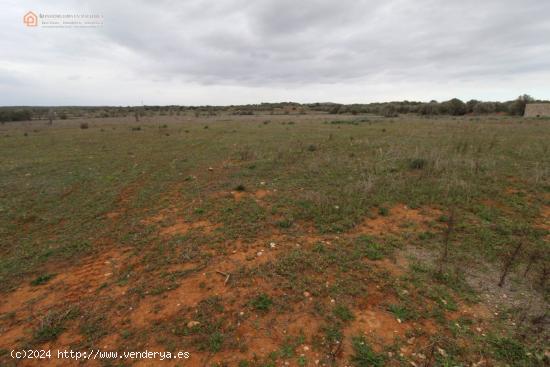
point(192, 324)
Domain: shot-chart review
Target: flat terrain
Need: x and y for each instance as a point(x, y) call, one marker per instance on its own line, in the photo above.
point(273, 240)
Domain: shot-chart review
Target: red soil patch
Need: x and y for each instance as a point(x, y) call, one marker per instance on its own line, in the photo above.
point(544, 221)
point(397, 267)
point(239, 195)
point(400, 219)
point(260, 194)
point(68, 287)
point(377, 324)
point(182, 227)
point(209, 282)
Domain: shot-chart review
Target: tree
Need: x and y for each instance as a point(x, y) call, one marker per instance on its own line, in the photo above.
point(484, 108)
point(336, 109)
point(517, 108)
point(389, 110)
point(50, 116)
point(471, 105)
point(454, 107)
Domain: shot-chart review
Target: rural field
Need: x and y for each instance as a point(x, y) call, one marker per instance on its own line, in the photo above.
point(277, 240)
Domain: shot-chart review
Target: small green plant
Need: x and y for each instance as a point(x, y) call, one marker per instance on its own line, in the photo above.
point(383, 211)
point(363, 355)
point(285, 223)
point(262, 302)
point(510, 351)
point(343, 313)
point(370, 249)
point(401, 312)
point(53, 324)
point(215, 342)
point(418, 163)
point(240, 188)
point(42, 279)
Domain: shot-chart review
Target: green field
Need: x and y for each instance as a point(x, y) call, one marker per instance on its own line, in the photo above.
point(258, 240)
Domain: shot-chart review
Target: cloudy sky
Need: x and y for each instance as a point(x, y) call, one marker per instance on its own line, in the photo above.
point(250, 51)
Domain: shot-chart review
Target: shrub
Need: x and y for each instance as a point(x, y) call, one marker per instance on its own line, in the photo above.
point(84, 125)
point(418, 163)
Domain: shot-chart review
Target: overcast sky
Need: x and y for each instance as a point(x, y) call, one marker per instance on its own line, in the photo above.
point(250, 51)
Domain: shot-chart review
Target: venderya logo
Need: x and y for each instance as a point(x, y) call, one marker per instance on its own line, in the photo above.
point(30, 19)
point(63, 20)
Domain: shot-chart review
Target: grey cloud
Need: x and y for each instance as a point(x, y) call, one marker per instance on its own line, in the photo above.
point(283, 43)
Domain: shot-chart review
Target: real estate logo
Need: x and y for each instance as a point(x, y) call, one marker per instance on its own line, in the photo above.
point(67, 19)
point(30, 19)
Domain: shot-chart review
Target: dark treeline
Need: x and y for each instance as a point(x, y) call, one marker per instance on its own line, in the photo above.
point(453, 107)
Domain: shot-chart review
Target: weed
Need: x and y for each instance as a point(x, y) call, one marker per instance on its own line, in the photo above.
point(383, 211)
point(53, 324)
point(343, 313)
point(285, 223)
point(418, 163)
point(403, 313)
point(262, 303)
point(510, 351)
point(363, 355)
point(215, 342)
point(370, 249)
point(42, 279)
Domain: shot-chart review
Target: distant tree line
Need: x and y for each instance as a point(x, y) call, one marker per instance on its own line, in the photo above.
point(453, 107)
point(15, 115)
